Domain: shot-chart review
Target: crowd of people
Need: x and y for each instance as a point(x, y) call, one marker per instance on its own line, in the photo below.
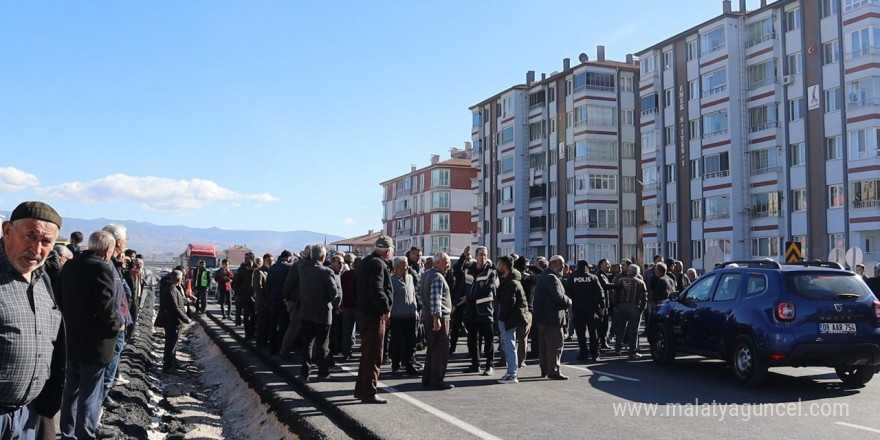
point(66, 313)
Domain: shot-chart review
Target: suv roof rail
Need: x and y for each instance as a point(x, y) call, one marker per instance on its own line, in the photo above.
point(828, 264)
point(751, 263)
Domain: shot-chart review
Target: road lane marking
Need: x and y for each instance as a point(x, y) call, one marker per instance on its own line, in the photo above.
point(631, 379)
point(449, 418)
point(863, 428)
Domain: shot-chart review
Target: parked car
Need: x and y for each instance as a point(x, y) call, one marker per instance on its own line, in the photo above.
point(760, 314)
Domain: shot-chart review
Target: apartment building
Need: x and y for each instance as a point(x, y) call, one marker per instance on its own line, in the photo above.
point(760, 127)
point(431, 207)
point(557, 163)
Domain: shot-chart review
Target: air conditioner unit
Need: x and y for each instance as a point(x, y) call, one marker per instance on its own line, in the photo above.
point(787, 79)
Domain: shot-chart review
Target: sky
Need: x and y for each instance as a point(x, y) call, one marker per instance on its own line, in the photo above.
point(264, 115)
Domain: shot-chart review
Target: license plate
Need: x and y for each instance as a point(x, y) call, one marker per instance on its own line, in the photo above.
point(837, 327)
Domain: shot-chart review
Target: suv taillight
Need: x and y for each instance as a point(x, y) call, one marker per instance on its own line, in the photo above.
point(785, 311)
point(877, 311)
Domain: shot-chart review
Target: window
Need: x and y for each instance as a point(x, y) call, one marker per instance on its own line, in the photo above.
point(628, 184)
point(836, 198)
point(763, 117)
point(834, 147)
point(862, 143)
point(628, 217)
point(439, 177)
point(652, 214)
point(626, 84)
point(536, 99)
point(694, 129)
point(667, 60)
point(603, 182)
point(440, 222)
point(595, 150)
point(714, 82)
point(696, 209)
point(865, 193)
point(672, 212)
point(830, 7)
point(765, 205)
point(506, 136)
point(762, 161)
point(833, 100)
point(440, 200)
point(692, 50)
point(765, 247)
point(649, 178)
point(712, 41)
point(668, 98)
point(864, 42)
point(697, 249)
point(440, 243)
point(696, 168)
point(506, 225)
point(602, 218)
point(567, 87)
point(670, 136)
point(851, 5)
point(649, 141)
point(831, 52)
point(507, 105)
point(671, 173)
point(762, 74)
point(795, 63)
point(797, 154)
point(595, 115)
point(715, 124)
point(799, 199)
point(649, 104)
point(536, 131)
point(793, 19)
point(701, 290)
point(836, 240)
point(796, 109)
point(538, 223)
point(553, 125)
point(647, 64)
point(628, 150)
point(671, 249)
point(538, 191)
point(760, 31)
point(477, 119)
point(717, 207)
point(626, 116)
point(861, 92)
point(693, 89)
point(578, 184)
point(728, 287)
point(720, 243)
point(507, 194)
point(538, 161)
point(716, 165)
point(551, 94)
point(507, 165)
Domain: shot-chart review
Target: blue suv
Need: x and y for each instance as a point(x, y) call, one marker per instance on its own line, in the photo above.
point(760, 314)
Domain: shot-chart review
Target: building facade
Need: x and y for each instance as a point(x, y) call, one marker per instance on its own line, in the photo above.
point(431, 207)
point(557, 163)
point(761, 127)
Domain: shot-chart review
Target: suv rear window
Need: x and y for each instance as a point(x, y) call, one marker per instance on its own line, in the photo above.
point(825, 285)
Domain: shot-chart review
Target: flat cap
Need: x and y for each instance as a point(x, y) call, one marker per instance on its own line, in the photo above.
point(37, 210)
point(384, 242)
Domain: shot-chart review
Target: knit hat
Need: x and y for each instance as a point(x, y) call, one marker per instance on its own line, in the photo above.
point(36, 210)
point(558, 258)
point(384, 242)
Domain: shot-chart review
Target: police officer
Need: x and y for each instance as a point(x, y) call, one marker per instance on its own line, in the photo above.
point(587, 304)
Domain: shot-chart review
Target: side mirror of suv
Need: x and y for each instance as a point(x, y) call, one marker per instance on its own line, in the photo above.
point(673, 296)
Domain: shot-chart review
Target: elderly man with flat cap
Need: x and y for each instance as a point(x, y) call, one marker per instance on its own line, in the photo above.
point(375, 295)
point(29, 317)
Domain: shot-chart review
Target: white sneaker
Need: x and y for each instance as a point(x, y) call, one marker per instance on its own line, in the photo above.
point(121, 380)
point(508, 379)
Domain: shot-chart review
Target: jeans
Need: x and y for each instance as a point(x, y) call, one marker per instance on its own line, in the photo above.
point(81, 400)
point(508, 341)
point(110, 372)
point(17, 425)
point(627, 318)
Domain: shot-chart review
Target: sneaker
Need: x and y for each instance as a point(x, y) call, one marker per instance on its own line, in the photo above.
point(508, 379)
point(488, 371)
point(635, 356)
point(121, 380)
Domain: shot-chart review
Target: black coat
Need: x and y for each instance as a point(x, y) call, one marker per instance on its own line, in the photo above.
point(89, 308)
point(585, 291)
point(172, 306)
point(319, 293)
point(373, 287)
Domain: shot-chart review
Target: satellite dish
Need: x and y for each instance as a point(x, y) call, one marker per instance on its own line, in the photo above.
point(583, 57)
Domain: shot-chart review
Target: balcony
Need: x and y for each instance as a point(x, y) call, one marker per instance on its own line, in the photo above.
point(401, 232)
point(713, 91)
point(714, 133)
point(858, 5)
point(712, 50)
point(721, 216)
point(761, 83)
point(859, 204)
point(763, 214)
point(763, 38)
point(767, 170)
point(863, 52)
point(717, 174)
point(859, 103)
point(649, 111)
point(403, 212)
point(765, 126)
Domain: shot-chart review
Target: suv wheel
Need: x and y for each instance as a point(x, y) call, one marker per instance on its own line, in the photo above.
point(662, 351)
point(855, 376)
point(748, 367)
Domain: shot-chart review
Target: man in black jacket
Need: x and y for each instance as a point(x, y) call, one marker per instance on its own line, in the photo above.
point(481, 282)
point(92, 322)
point(374, 297)
point(201, 284)
point(172, 313)
point(319, 295)
point(244, 295)
point(660, 287)
point(587, 304)
point(551, 305)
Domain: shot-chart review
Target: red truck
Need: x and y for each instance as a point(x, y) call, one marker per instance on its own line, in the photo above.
point(198, 252)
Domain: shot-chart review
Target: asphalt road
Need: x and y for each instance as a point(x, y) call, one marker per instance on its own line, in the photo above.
point(615, 398)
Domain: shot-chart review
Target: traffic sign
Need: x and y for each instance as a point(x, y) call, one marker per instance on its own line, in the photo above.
point(837, 255)
point(854, 256)
point(793, 251)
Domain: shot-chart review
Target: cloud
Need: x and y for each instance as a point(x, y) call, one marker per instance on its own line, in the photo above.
point(13, 179)
point(154, 193)
point(349, 221)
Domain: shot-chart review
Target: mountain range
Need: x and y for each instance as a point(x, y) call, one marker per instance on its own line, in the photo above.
point(157, 242)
